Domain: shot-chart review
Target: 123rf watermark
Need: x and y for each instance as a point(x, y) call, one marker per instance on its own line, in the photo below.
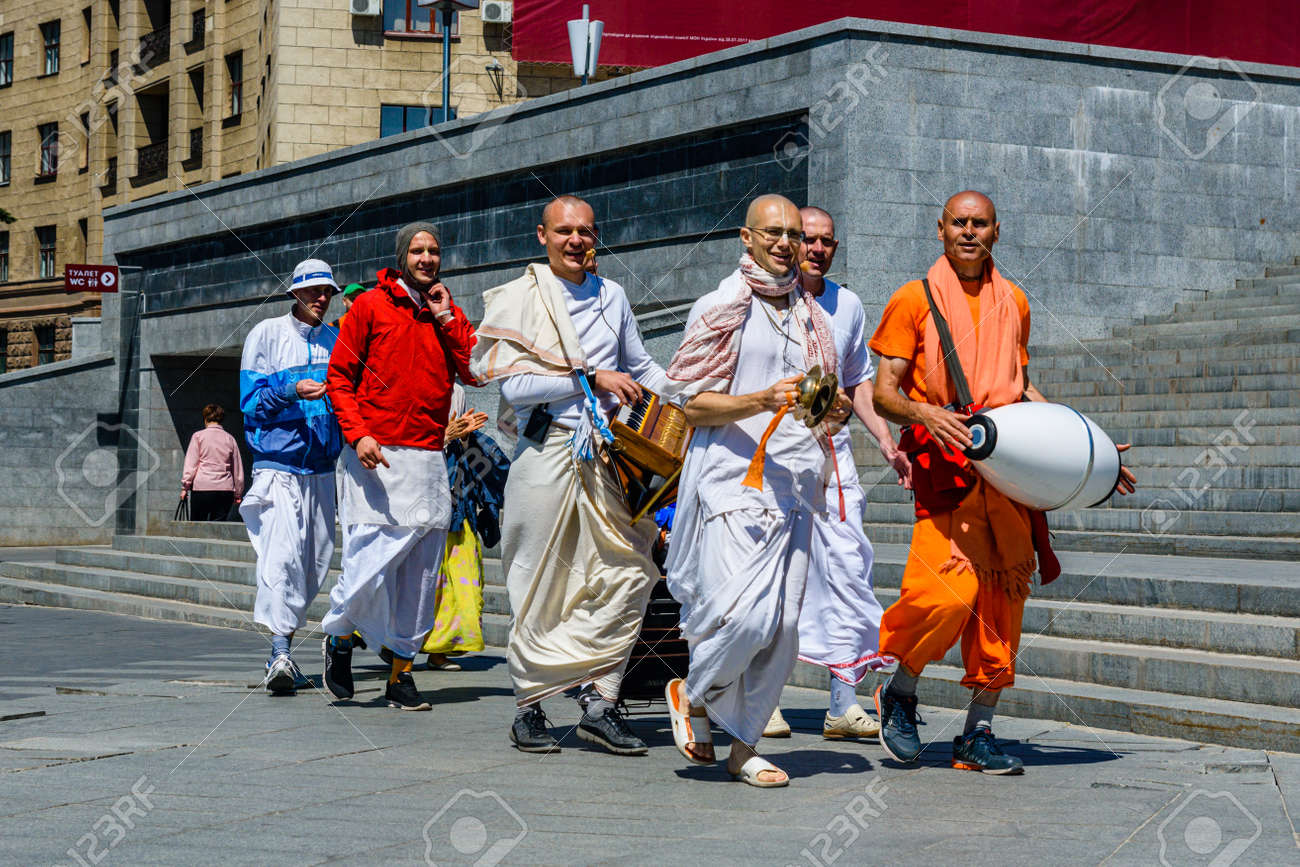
point(477, 828)
point(90, 479)
point(844, 829)
point(1194, 482)
point(111, 829)
point(1207, 828)
point(827, 113)
point(1203, 102)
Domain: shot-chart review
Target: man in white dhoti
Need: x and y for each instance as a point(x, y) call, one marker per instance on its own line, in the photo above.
point(839, 625)
point(391, 375)
point(565, 345)
point(290, 427)
point(742, 533)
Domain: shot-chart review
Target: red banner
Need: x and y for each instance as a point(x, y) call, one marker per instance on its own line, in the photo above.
point(652, 34)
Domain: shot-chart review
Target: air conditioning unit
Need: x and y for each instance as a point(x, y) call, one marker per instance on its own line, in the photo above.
point(367, 8)
point(497, 11)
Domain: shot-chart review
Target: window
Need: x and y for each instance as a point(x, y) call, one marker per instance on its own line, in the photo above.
point(45, 243)
point(4, 351)
point(404, 16)
point(235, 70)
point(44, 344)
point(6, 59)
point(4, 260)
point(198, 24)
point(85, 35)
point(6, 151)
point(48, 135)
point(400, 118)
point(85, 142)
point(50, 36)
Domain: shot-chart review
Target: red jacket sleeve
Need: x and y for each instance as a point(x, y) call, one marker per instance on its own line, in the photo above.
point(458, 339)
point(345, 370)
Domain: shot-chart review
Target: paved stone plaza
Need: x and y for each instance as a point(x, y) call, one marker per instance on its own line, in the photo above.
point(127, 741)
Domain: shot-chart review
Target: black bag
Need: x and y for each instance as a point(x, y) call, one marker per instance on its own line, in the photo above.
point(182, 510)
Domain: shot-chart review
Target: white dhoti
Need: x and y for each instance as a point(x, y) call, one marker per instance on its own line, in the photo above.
point(290, 521)
point(740, 612)
point(578, 574)
point(840, 624)
point(394, 531)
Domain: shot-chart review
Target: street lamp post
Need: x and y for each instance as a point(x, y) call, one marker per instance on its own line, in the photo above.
point(446, 9)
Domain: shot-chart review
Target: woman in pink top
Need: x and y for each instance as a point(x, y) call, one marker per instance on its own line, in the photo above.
point(213, 470)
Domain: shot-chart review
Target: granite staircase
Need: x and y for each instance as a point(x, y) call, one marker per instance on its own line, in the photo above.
point(1178, 610)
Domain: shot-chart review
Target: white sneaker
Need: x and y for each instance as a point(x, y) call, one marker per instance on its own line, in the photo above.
point(777, 727)
point(280, 675)
point(854, 724)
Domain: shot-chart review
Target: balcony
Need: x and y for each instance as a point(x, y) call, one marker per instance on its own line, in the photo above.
point(151, 162)
point(155, 48)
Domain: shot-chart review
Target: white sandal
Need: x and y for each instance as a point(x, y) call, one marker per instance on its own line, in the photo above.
point(753, 766)
point(684, 730)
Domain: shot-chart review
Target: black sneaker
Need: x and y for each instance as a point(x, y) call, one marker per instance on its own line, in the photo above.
point(898, 725)
point(978, 751)
point(338, 668)
point(529, 734)
point(612, 732)
point(385, 654)
point(357, 641)
point(403, 695)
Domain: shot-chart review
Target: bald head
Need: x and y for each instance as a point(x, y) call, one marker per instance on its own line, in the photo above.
point(971, 198)
point(812, 213)
point(968, 227)
point(772, 232)
point(557, 206)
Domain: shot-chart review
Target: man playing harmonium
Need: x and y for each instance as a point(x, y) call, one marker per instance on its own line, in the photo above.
point(565, 346)
point(755, 477)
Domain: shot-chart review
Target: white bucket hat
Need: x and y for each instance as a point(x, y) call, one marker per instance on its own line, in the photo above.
point(312, 272)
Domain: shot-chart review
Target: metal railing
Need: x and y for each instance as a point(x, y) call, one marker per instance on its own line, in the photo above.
point(151, 161)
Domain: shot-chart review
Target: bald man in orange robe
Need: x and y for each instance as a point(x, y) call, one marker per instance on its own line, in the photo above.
point(973, 553)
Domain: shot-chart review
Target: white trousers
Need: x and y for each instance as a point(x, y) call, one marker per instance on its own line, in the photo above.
point(743, 622)
point(839, 626)
point(388, 589)
point(290, 521)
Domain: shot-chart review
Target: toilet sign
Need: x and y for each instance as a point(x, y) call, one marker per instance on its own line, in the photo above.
point(90, 278)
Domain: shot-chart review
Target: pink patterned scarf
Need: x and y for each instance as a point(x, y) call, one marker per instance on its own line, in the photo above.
point(710, 350)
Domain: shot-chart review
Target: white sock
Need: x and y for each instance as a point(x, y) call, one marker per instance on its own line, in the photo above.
point(843, 696)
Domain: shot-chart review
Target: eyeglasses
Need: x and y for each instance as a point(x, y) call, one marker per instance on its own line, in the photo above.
point(775, 234)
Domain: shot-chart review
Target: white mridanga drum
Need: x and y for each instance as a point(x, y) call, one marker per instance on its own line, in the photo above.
point(1044, 455)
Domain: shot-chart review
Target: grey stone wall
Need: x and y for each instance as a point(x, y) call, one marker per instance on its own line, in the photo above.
point(1126, 181)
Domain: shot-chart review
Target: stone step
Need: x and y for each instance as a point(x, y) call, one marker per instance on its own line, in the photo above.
point(1214, 311)
point(1230, 301)
point(1169, 543)
point(1202, 522)
point(227, 571)
point(1280, 282)
point(1210, 631)
point(209, 593)
point(1265, 383)
point(1207, 720)
point(1182, 497)
point(1292, 270)
point(1126, 356)
point(1175, 370)
point(180, 547)
point(1088, 404)
point(1143, 340)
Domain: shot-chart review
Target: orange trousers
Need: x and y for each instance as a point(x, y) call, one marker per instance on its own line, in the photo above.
point(936, 609)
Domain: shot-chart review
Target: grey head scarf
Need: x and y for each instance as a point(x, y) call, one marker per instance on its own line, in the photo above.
point(404, 236)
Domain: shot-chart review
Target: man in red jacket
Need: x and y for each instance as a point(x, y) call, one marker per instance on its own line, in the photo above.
point(398, 354)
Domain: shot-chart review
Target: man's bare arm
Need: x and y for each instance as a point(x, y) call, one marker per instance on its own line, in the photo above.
point(944, 425)
point(862, 395)
point(711, 409)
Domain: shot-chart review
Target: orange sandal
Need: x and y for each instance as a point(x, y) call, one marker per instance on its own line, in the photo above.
point(687, 733)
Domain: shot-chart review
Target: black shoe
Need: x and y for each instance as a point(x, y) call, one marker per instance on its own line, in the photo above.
point(611, 731)
point(385, 654)
point(358, 641)
point(403, 695)
point(529, 734)
point(338, 668)
point(898, 725)
point(978, 751)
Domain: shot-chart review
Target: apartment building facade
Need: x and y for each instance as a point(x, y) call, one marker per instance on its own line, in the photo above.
point(104, 102)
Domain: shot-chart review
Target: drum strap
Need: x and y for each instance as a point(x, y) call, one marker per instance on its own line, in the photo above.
point(950, 359)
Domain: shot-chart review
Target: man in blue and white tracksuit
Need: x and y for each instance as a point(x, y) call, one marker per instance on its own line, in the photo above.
point(290, 426)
